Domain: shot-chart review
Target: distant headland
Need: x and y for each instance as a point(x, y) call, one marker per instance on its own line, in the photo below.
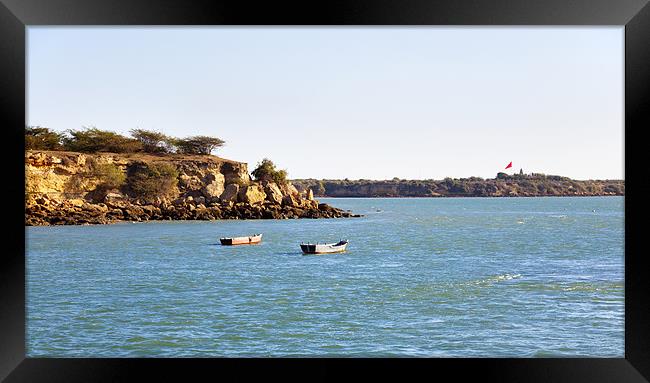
point(503, 185)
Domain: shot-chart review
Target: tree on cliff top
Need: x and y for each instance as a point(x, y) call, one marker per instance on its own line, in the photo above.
point(266, 171)
point(91, 140)
point(39, 138)
point(152, 141)
point(197, 144)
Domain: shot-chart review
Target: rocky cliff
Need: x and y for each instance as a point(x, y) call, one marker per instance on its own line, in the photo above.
point(78, 188)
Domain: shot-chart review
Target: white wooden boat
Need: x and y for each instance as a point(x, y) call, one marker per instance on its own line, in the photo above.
point(250, 240)
point(327, 248)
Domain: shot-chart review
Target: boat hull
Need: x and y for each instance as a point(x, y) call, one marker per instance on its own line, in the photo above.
point(250, 240)
point(324, 249)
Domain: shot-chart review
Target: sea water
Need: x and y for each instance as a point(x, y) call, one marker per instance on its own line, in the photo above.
point(439, 277)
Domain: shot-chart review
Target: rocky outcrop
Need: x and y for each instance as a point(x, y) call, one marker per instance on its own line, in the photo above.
point(273, 193)
point(230, 193)
point(46, 211)
point(215, 185)
point(290, 200)
point(251, 194)
point(64, 188)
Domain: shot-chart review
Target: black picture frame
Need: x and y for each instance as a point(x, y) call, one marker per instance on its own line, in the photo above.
point(16, 15)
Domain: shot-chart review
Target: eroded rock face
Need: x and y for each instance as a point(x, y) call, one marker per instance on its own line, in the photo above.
point(214, 185)
point(273, 193)
point(62, 174)
point(230, 193)
point(288, 188)
point(189, 182)
point(310, 204)
point(50, 174)
point(251, 194)
point(209, 178)
point(235, 172)
point(290, 200)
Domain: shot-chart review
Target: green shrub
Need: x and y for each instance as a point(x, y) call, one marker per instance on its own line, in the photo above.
point(109, 175)
point(266, 171)
point(153, 180)
point(39, 138)
point(75, 184)
point(93, 140)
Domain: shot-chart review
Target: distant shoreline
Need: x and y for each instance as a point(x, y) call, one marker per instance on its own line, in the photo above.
point(503, 185)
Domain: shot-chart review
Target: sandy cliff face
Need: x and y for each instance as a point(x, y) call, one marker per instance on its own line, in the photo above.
point(62, 188)
point(63, 175)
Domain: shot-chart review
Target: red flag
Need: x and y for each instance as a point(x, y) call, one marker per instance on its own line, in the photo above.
point(509, 165)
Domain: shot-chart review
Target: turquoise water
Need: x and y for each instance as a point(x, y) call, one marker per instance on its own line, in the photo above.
point(458, 277)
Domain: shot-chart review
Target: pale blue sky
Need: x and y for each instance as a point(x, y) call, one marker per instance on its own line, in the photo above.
point(374, 103)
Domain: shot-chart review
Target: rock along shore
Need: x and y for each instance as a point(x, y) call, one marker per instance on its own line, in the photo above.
point(65, 188)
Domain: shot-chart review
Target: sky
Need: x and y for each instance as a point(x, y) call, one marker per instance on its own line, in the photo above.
point(348, 102)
